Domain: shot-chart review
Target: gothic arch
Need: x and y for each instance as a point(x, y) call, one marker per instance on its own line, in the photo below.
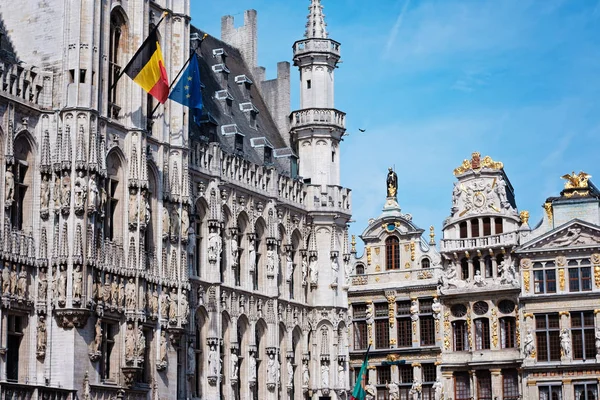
point(244, 340)
point(260, 228)
point(24, 177)
point(202, 211)
point(260, 341)
point(244, 227)
point(296, 289)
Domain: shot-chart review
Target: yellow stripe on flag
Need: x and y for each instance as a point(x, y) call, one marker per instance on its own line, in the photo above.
point(151, 72)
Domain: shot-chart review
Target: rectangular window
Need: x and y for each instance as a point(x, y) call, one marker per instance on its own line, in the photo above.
point(382, 333)
point(548, 337)
point(586, 391)
point(427, 331)
point(404, 327)
point(384, 376)
point(580, 279)
point(461, 339)
point(13, 342)
point(482, 334)
point(403, 308)
point(109, 331)
point(360, 335)
point(405, 372)
point(508, 333)
point(498, 225)
point(510, 384)
point(308, 84)
point(429, 373)
point(425, 306)
point(544, 278)
point(487, 227)
point(552, 392)
point(583, 335)
point(462, 386)
point(484, 385)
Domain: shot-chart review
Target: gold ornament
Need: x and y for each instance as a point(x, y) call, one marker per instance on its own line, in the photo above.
point(368, 255)
point(476, 164)
point(447, 331)
point(353, 243)
point(524, 215)
point(526, 281)
point(494, 328)
point(597, 275)
point(412, 250)
point(431, 235)
point(576, 181)
point(561, 279)
point(548, 209)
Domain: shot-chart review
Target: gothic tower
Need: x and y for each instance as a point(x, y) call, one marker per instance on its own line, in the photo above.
point(317, 127)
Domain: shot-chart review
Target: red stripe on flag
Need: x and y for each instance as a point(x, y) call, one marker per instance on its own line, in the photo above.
point(161, 89)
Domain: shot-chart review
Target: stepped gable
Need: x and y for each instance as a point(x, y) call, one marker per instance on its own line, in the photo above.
point(215, 110)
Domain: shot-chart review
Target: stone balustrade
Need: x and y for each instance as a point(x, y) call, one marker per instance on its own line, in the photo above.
point(314, 45)
point(26, 83)
point(318, 116)
point(328, 198)
point(485, 242)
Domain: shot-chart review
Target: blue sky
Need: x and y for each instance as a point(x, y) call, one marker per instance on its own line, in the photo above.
point(433, 81)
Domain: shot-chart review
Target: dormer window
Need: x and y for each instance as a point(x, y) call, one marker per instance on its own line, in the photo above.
point(222, 73)
point(239, 142)
point(245, 84)
point(220, 54)
point(251, 111)
point(268, 155)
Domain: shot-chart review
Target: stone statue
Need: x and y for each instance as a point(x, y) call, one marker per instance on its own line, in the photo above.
point(597, 335)
point(438, 388)
point(185, 222)
point(191, 356)
point(341, 375)
point(174, 216)
point(273, 369)
point(414, 310)
point(95, 345)
point(325, 375)
point(347, 271)
point(154, 302)
point(121, 293)
point(393, 391)
point(370, 392)
point(44, 193)
point(251, 255)
point(141, 297)
point(214, 246)
point(184, 307)
point(56, 193)
point(133, 207)
point(213, 361)
point(233, 359)
point(93, 193)
point(478, 279)
point(130, 295)
point(163, 347)
point(304, 270)
point(65, 194)
point(114, 292)
point(416, 389)
point(335, 267)
point(42, 285)
point(436, 307)
point(6, 280)
point(62, 286)
point(271, 262)
point(289, 265)
point(80, 190)
point(22, 284)
point(290, 372)
point(9, 187)
point(173, 306)
point(13, 280)
point(107, 290)
point(252, 366)
point(42, 336)
point(77, 284)
point(529, 346)
point(143, 214)
point(508, 274)
point(95, 287)
point(370, 316)
point(305, 374)
point(166, 222)
point(313, 270)
point(455, 196)
point(234, 250)
point(565, 343)
point(129, 343)
point(392, 183)
point(103, 199)
point(164, 304)
point(54, 287)
point(141, 343)
point(501, 191)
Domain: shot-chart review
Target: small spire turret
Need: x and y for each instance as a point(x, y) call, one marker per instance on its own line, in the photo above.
point(315, 26)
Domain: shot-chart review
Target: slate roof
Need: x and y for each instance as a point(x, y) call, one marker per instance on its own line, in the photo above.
point(216, 111)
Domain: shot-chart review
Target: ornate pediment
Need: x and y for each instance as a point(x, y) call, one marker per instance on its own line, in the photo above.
point(575, 233)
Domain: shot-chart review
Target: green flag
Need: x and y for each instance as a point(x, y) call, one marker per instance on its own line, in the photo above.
point(359, 391)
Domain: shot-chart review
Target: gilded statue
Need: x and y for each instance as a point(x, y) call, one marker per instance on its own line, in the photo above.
point(392, 183)
point(576, 181)
point(476, 164)
point(524, 215)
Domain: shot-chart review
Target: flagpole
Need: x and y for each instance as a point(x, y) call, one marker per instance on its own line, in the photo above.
point(123, 70)
point(149, 118)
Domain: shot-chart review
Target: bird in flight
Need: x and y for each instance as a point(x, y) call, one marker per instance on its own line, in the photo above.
point(362, 130)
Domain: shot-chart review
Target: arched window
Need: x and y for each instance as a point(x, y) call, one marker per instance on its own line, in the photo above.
point(474, 228)
point(392, 253)
point(117, 43)
point(464, 269)
point(487, 260)
point(425, 263)
point(360, 269)
point(463, 230)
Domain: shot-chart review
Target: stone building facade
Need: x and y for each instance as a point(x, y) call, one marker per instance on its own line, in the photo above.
point(187, 255)
point(514, 308)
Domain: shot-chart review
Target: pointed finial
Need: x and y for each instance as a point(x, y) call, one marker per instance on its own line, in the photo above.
point(315, 26)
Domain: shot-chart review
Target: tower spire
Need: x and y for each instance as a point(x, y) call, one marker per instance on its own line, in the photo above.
point(315, 26)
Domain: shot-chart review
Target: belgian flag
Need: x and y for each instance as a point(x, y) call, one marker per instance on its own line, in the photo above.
point(147, 68)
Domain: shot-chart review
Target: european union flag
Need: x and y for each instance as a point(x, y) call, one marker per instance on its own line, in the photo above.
point(188, 91)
